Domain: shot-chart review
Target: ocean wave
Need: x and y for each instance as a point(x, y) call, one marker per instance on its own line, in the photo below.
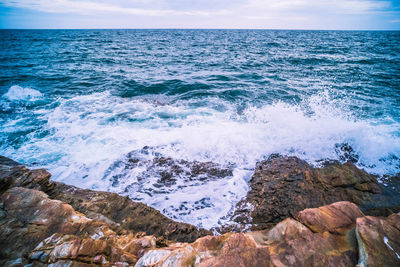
point(18, 93)
point(89, 134)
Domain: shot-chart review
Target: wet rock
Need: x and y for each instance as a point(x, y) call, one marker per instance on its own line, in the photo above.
point(346, 152)
point(283, 186)
point(387, 202)
point(379, 241)
point(164, 172)
point(8, 162)
point(107, 207)
point(41, 230)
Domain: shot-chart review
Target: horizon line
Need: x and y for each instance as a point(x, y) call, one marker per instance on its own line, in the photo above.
point(261, 29)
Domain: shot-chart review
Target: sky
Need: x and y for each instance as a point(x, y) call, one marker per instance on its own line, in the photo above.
point(225, 14)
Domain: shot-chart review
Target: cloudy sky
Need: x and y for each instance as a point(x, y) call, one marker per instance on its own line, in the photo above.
point(264, 14)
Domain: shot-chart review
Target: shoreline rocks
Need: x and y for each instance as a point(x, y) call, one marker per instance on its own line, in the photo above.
point(104, 206)
point(317, 238)
point(46, 223)
point(283, 186)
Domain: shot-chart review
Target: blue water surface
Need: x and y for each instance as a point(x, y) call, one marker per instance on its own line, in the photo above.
point(78, 101)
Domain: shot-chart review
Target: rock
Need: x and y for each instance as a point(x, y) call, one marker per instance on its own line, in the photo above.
point(336, 218)
point(71, 249)
point(104, 206)
point(289, 243)
point(38, 229)
point(152, 257)
point(167, 169)
point(130, 215)
point(286, 230)
point(379, 241)
point(157, 174)
point(8, 162)
point(387, 202)
point(283, 186)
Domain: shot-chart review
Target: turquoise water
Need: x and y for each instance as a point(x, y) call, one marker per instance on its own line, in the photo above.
point(77, 102)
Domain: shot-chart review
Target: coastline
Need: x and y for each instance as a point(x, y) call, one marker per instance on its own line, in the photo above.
point(299, 216)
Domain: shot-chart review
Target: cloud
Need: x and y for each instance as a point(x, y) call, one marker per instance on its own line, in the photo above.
point(289, 14)
point(90, 7)
point(332, 6)
point(199, 7)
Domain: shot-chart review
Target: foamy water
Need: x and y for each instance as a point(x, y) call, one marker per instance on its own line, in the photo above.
point(18, 93)
point(90, 133)
point(145, 113)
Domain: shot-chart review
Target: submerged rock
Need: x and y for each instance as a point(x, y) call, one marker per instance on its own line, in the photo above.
point(162, 172)
point(283, 186)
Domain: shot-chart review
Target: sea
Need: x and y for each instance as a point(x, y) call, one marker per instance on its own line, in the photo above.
point(178, 119)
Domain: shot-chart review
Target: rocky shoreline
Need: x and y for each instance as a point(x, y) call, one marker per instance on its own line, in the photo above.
point(337, 215)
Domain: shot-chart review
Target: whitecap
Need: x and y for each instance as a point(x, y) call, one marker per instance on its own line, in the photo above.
point(18, 93)
point(89, 133)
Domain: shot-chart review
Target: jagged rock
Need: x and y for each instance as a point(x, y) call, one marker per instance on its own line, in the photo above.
point(379, 241)
point(30, 219)
point(157, 174)
point(106, 250)
point(168, 169)
point(128, 214)
point(283, 186)
point(43, 230)
point(104, 206)
point(289, 243)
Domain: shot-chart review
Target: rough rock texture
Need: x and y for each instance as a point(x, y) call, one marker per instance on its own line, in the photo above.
point(289, 243)
point(283, 186)
point(41, 230)
point(335, 218)
point(169, 170)
point(108, 207)
point(39, 227)
point(131, 215)
point(379, 241)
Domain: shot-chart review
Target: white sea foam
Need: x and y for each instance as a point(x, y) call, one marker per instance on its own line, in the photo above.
point(18, 93)
point(90, 133)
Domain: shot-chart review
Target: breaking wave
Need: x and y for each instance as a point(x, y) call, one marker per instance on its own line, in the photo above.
point(91, 141)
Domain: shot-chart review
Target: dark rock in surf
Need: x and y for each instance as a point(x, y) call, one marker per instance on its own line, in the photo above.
point(40, 230)
point(282, 186)
point(166, 170)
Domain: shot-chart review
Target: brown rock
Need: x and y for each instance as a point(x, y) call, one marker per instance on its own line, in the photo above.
point(40, 230)
point(335, 218)
point(289, 243)
point(130, 215)
point(317, 249)
point(104, 206)
point(283, 186)
point(379, 241)
point(28, 217)
point(76, 250)
point(286, 230)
